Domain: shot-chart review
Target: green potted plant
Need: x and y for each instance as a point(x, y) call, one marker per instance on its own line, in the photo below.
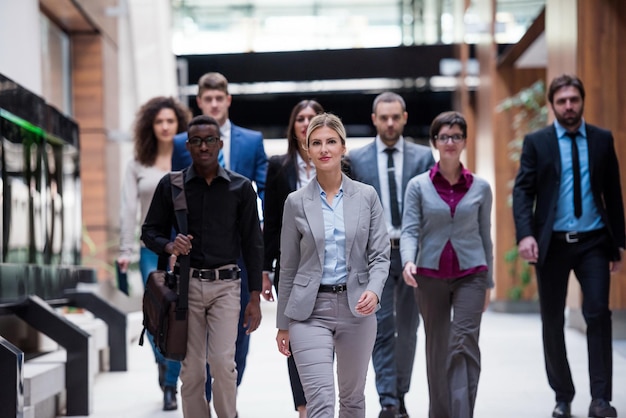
point(530, 113)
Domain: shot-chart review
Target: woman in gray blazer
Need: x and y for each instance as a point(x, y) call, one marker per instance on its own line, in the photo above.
point(447, 254)
point(334, 251)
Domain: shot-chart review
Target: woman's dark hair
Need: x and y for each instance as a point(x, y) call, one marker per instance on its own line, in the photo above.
point(293, 144)
point(447, 119)
point(145, 139)
point(563, 81)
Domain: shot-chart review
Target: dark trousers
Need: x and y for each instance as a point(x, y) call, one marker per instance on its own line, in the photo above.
point(452, 310)
point(590, 262)
point(396, 336)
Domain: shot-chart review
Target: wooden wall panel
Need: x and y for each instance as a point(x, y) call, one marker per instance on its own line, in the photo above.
point(509, 81)
point(89, 98)
point(103, 14)
point(561, 28)
point(586, 40)
point(601, 61)
point(87, 81)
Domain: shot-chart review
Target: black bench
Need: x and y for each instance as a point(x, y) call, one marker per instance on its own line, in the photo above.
point(30, 292)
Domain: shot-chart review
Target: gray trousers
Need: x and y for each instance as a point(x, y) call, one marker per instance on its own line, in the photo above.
point(452, 310)
point(332, 330)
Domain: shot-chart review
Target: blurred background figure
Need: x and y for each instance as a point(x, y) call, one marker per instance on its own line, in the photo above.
point(285, 174)
point(388, 163)
point(156, 123)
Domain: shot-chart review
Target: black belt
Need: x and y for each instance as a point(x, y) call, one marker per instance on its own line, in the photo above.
point(333, 288)
point(210, 275)
point(573, 237)
point(395, 243)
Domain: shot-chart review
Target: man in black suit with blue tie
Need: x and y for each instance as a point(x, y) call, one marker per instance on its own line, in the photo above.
point(569, 215)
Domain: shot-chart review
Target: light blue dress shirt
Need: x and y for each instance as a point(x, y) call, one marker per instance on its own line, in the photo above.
point(334, 270)
point(565, 219)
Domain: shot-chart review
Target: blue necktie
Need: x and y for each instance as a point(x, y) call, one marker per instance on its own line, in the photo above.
point(578, 201)
point(220, 159)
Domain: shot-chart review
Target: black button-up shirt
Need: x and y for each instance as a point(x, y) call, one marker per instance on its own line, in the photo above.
point(222, 218)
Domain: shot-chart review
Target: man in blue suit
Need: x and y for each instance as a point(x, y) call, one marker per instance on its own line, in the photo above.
point(242, 153)
point(396, 161)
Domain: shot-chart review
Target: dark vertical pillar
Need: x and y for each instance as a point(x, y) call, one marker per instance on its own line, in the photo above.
point(12, 382)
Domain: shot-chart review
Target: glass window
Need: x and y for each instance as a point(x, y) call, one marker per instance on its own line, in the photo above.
point(236, 26)
point(55, 61)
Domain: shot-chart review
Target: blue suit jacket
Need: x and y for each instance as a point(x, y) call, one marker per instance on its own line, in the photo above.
point(247, 155)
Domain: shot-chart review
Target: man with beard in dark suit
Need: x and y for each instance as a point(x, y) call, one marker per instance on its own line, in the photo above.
point(569, 215)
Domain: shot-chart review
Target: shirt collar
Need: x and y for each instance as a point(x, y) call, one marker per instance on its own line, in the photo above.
point(561, 131)
point(221, 172)
point(465, 173)
point(323, 193)
point(225, 128)
point(381, 146)
point(300, 161)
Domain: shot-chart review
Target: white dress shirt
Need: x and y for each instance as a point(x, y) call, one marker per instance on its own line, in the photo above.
point(398, 158)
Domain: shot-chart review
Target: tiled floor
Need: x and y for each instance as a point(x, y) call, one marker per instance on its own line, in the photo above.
point(513, 382)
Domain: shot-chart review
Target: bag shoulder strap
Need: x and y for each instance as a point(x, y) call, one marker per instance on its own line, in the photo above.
point(177, 181)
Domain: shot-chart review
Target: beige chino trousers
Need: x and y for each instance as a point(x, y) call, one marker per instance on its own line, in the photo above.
point(213, 317)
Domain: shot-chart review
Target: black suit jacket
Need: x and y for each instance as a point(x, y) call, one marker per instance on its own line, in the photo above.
point(536, 189)
point(282, 177)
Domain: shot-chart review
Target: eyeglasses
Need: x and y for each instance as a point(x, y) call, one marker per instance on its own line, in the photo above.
point(196, 141)
point(443, 139)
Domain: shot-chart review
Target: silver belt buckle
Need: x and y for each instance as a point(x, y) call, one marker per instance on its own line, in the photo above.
point(208, 272)
point(571, 237)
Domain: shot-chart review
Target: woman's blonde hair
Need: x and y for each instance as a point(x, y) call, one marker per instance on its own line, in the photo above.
point(328, 120)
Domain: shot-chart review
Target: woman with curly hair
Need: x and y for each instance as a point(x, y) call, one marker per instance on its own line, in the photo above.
point(156, 123)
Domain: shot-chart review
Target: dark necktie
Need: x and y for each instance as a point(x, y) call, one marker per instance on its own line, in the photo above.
point(393, 188)
point(578, 201)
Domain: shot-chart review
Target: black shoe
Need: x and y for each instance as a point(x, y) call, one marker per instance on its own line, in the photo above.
point(562, 410)
point(162, 370)
point(599, 408)
point(169, 398)
point(402, 409)
point(388, 411)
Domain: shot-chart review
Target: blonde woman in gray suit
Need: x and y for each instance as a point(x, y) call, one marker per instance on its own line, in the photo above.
point(334, 263)
point(447, 254)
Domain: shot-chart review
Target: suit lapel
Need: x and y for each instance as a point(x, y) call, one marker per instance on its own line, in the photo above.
point(234, 148)
point(291, 172)
point(312, 206)
point(371, 160)
point(552, 142)
point(408, 161)
point(351, 208)
point(591, 151)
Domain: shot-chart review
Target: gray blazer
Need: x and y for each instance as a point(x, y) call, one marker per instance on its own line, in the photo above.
point(364, 162)
point(427, 225)
point(302, 249)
